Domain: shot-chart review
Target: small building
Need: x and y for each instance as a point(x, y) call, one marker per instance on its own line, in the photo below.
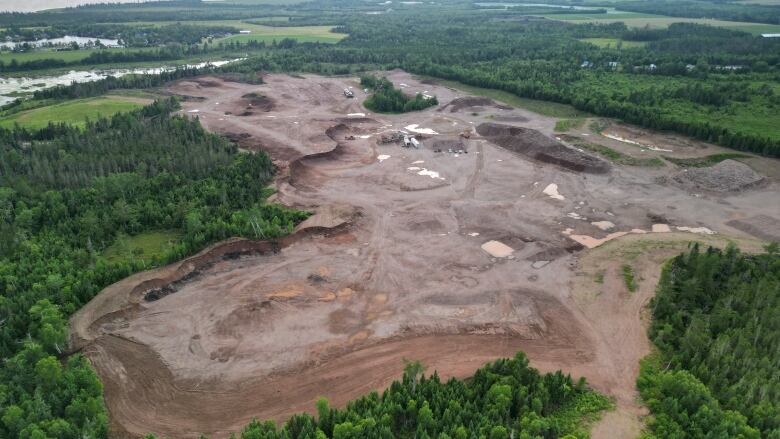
point(614, 65)
point(245, 31)
point(586, 64)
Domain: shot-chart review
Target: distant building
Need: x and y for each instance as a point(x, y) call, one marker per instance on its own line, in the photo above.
point(770, 35)
point(586, 64)
point(245, 31)
point(614, 65)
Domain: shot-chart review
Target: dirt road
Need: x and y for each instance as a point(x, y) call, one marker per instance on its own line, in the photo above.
point(392, 267)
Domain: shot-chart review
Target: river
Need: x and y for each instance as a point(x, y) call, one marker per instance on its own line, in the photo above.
point(9, 87)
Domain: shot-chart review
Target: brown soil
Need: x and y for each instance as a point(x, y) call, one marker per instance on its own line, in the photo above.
point(390, 267)
point(468, 102)
point(536, 145)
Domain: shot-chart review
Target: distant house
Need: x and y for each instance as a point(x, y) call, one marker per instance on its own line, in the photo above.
point(614, 65)
point(586, 64)
point(245, 31)
point(770, 35)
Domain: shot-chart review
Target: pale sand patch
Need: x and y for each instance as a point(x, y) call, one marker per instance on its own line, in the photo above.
point(552, 191)
point(382, 157)
point(697, 230)
point(414, 128)
point(661, 228)
point(497, 249)
point(604, 225)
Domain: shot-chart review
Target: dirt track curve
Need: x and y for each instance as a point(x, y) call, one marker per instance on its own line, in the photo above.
point(391, 265)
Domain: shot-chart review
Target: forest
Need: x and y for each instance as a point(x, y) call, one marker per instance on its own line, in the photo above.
point(388, 99)
point(723, 10)
point(713, 84)
point(716, 328)
point(717, 85)
point(505, 399)
point(66, 194)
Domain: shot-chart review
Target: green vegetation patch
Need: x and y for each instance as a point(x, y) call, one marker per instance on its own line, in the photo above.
point(545, 108)
point(612, 154)
point(303, 34)
point(568, 124)
point(629, 278)
point(613, 43)
point(74, 112)
point(387, 99)
point(703, 162)
point(148, 246)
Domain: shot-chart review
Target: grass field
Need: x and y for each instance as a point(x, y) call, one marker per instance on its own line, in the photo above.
point(265, 33)
point(613, 42)
point(144, 246)
point(67, 56)
point(75, 112)
point(661, 21)
point(551, 109)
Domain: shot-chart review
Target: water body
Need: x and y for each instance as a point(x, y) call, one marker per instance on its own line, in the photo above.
point(39, 5)
point(9, 87)
point(62, 41)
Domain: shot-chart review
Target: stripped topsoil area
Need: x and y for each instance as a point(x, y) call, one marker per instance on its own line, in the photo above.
point(537, 146)
point(393, 264)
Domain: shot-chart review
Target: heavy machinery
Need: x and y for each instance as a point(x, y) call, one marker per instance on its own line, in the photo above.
point(348, 93)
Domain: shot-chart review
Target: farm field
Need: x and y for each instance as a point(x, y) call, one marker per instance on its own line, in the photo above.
point(636, 20)
point(75, 112)
point(260, 32)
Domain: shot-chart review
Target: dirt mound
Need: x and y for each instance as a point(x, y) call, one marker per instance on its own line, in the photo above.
point(257, 102)
point(458, 104)
point(763, 227)
point(537, 146)
point(726, 176)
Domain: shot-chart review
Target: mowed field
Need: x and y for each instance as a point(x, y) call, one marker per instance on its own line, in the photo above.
point(76, 112)
point(259, 32)
point(67, 55)
point(636, 20)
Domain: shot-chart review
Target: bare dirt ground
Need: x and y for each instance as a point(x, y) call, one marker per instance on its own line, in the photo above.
point(391, 266)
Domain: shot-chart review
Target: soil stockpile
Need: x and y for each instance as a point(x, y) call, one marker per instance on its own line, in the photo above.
point(726, 176)
point(537, 146)
point(471, 101)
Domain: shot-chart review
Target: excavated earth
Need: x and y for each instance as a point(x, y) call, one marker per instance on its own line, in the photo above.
point(391, 264)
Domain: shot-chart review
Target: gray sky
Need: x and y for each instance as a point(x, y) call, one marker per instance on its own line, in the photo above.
point(37, 5)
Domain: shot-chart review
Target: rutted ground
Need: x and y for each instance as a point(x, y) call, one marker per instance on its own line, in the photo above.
point(392, 265)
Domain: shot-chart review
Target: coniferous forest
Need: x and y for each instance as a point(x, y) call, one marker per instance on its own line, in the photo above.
point(715, 323)
point(67, 194)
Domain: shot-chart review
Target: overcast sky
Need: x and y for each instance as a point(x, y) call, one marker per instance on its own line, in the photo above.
point(37, 5)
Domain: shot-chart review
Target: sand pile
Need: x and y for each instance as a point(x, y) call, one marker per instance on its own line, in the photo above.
point(726, 176)
point(536, 145)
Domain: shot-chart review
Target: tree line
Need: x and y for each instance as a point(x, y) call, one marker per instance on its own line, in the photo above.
point(66, 194)
point(388, 99)
point(505, 399)
point(715, 325)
